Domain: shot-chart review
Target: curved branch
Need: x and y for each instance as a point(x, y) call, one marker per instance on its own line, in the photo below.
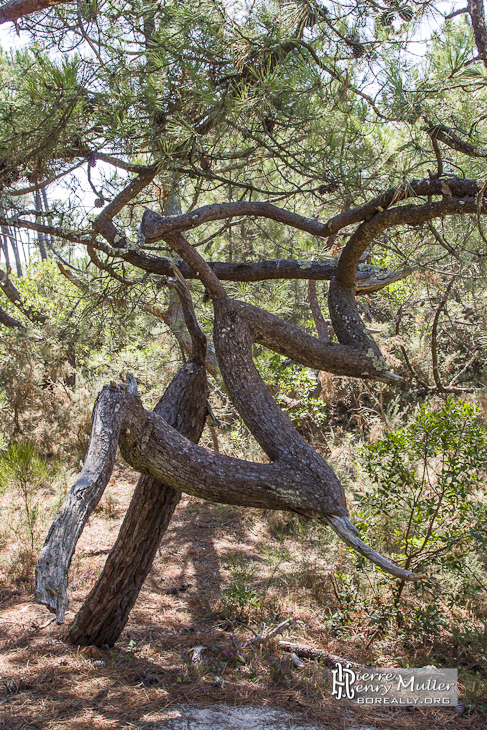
point(448, 137)
point(368, 279)
point(349, 534)
point(349, 326)
point(15, 9)
point(413, 215)
point(347, 323)
point(104, 222)
point(155, 227)
point(73, 236)
point(9, 321)
point(149, 445)
point(285, 338)
point(197, 263)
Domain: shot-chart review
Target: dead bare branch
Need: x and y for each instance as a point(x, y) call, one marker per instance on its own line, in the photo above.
point(57, 551)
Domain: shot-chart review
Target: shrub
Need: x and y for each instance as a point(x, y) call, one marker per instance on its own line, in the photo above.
point(426, 506)
point(24, 472)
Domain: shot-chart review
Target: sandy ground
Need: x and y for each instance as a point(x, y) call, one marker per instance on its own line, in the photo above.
point(224, 717)
point(148, 680)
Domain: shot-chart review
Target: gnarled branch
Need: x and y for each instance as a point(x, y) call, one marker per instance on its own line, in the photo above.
point(15, 9)
point(452, 140)
point(55, 557)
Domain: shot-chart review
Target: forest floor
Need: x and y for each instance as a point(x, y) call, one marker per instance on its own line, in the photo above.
point(199, 593)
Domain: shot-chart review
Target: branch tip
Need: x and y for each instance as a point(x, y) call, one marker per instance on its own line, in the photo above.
point(350, 536)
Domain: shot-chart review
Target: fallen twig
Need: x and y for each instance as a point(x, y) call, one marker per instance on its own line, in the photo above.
point(310, 652)
point(297, 661)
point(197, 652)
point(259, 638)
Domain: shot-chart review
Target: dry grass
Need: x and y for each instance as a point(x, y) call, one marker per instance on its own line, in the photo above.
point(219, 552)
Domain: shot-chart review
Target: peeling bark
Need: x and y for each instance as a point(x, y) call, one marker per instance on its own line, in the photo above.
point(106, 609)
point(51, 573)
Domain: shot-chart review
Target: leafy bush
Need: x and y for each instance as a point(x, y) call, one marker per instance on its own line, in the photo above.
point(429, 474)
point(32, 489)
point(427, 507)
point(295, 389)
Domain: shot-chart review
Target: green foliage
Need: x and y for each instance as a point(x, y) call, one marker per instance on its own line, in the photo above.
point(428, 479)
point(293, 387)
point(79, 344)
point(241, 597)
point(24, 472)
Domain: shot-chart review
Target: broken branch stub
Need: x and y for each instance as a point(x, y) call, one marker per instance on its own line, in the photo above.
point(55, 557)
point(105, 611)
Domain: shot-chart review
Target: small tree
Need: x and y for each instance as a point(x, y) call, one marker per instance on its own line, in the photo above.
point(23, 470)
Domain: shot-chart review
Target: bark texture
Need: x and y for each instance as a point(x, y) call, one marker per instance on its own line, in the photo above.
point(155, 443)
point(477, 18)
point(287, 339)
point(269, 425)
point(51, 574)
point(155, 227)
point(349, 326)
point(9, 321)
point(15, 9)
point(106, 609)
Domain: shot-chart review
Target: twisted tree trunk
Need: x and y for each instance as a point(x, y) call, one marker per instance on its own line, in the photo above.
point(106, 610)
point(155, 444)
